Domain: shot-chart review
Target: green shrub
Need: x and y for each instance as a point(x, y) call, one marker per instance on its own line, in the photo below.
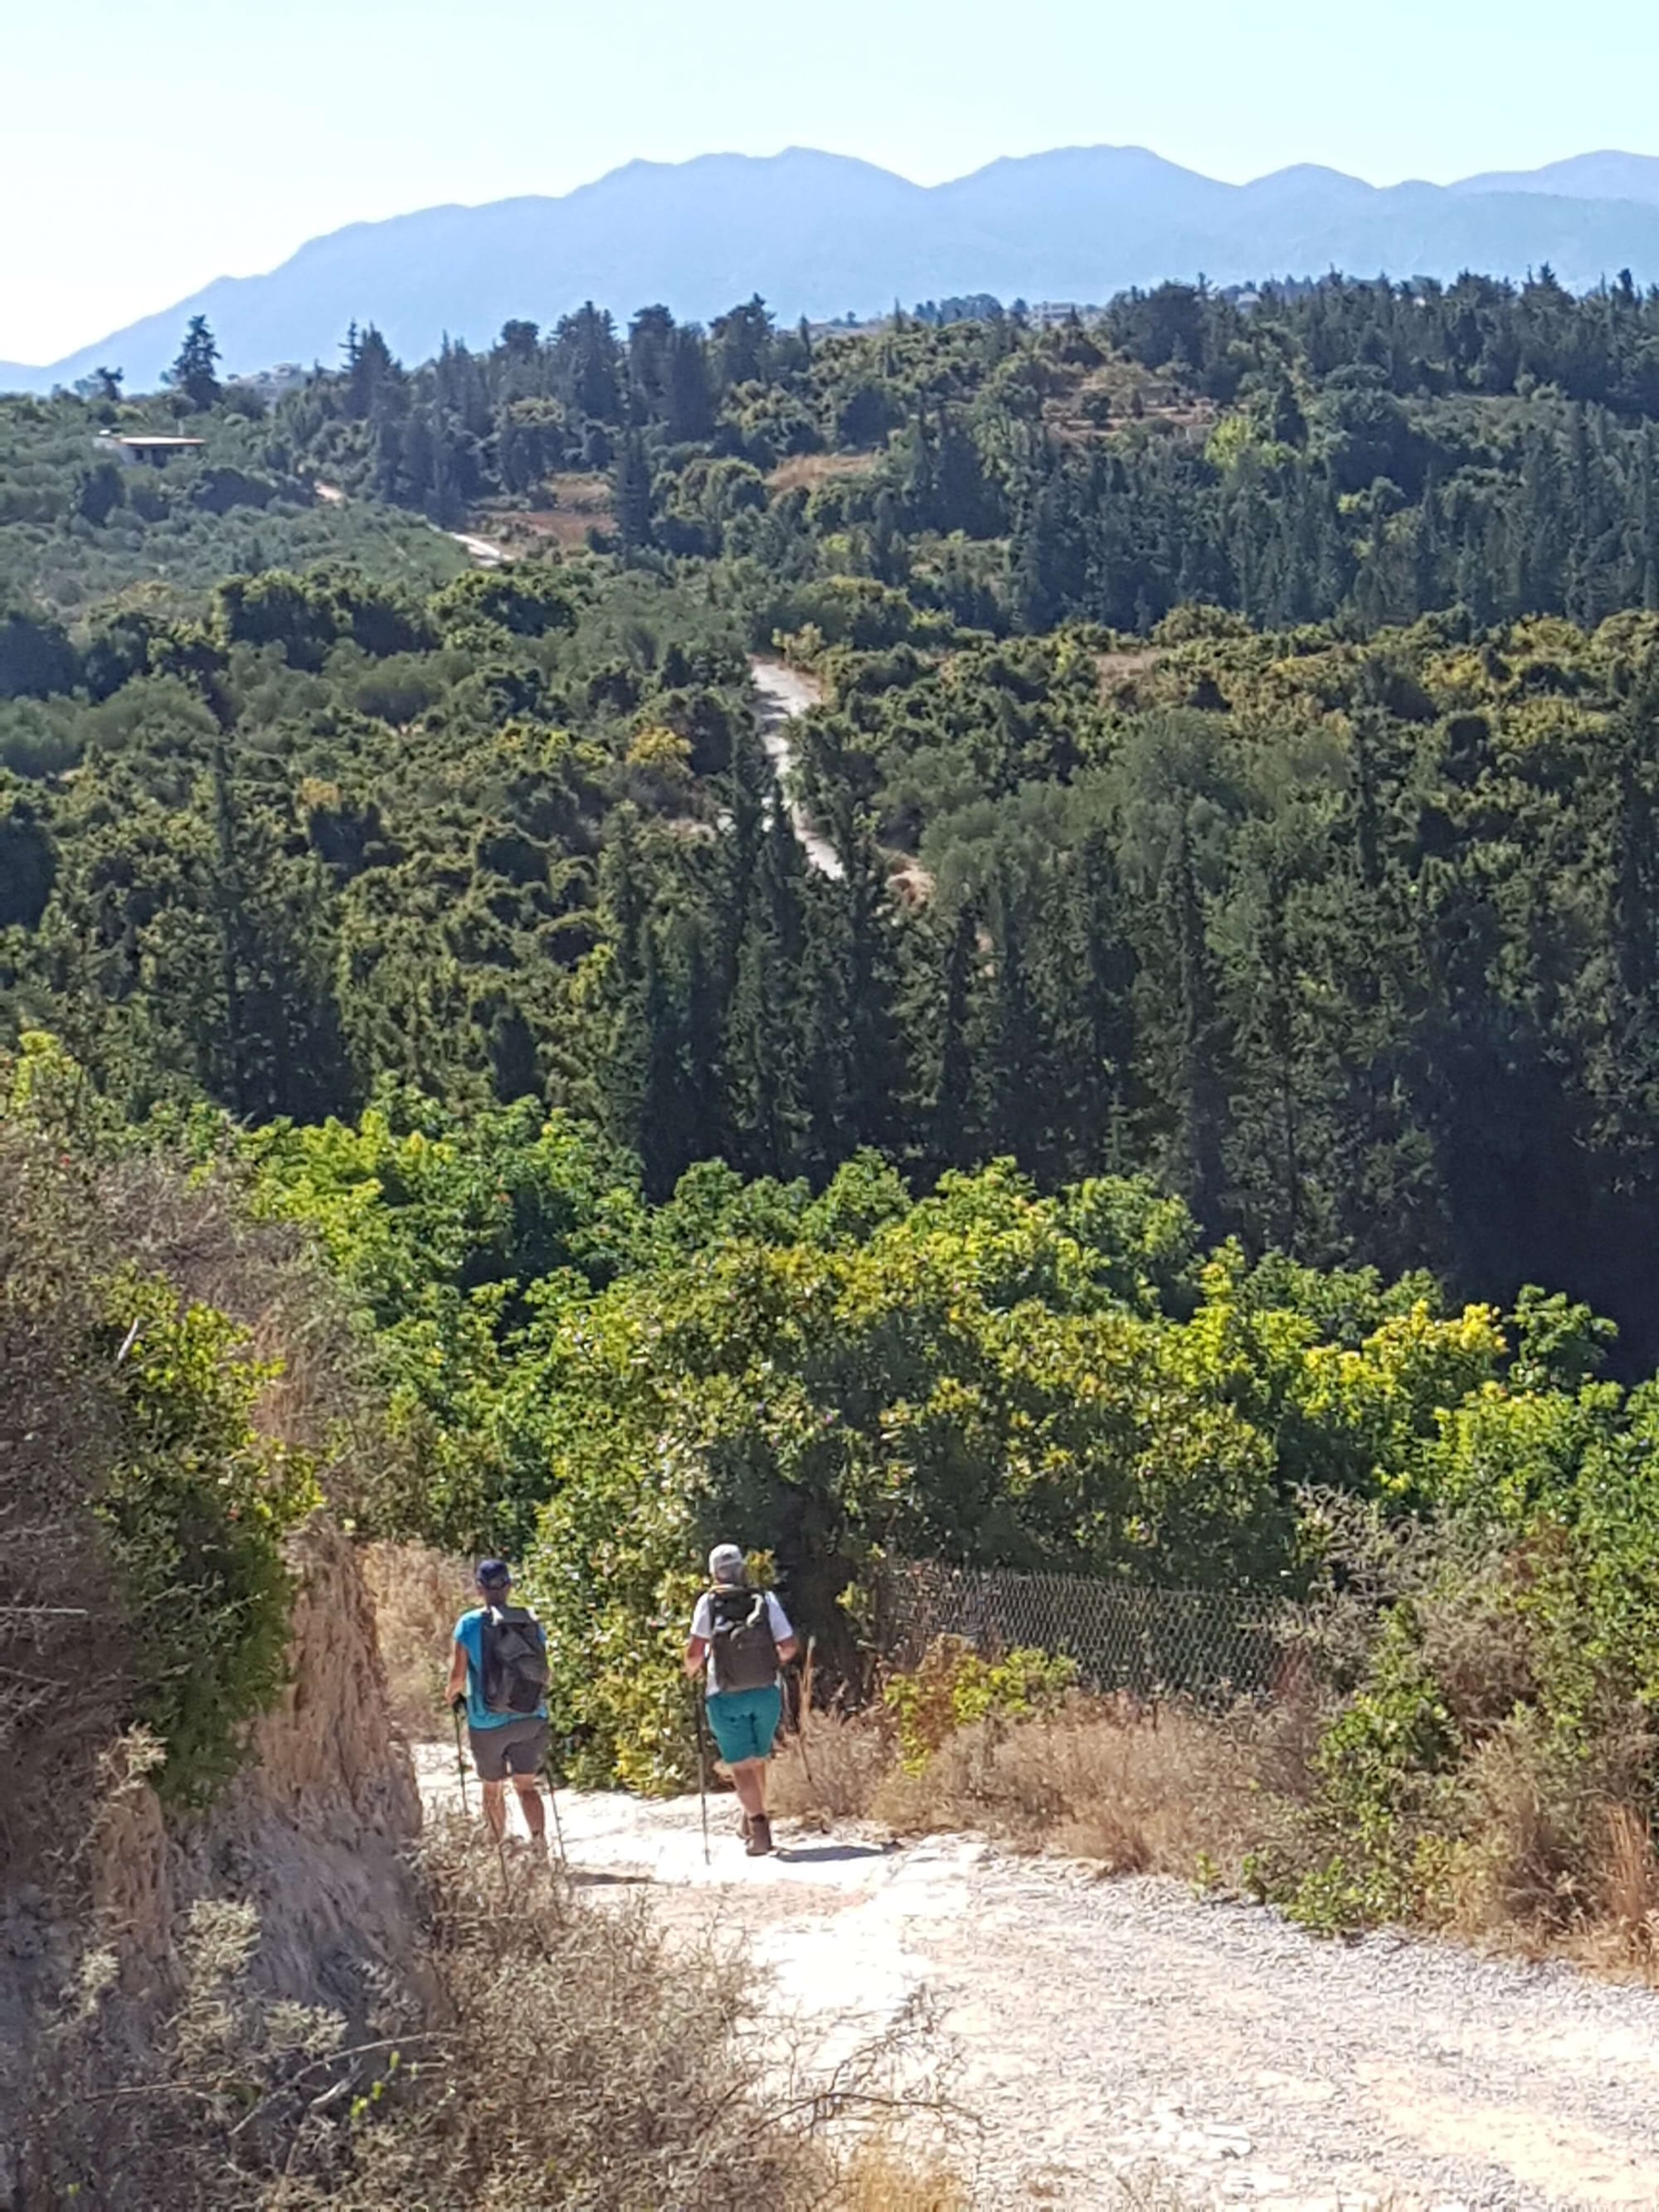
point(196, 1507)
point(135, 1481)
point(952, 1687)
point(1495, 1736)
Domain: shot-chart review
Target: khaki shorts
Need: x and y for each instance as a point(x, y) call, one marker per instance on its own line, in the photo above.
point(515, 1748)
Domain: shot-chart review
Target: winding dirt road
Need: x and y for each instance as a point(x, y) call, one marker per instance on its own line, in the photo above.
point(1099, 2031)
point(781, 693)
point(482, 552)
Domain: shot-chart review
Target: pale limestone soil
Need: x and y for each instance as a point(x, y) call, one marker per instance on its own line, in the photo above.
point(780, 694)
point(1097, 2030)
point(484, 552)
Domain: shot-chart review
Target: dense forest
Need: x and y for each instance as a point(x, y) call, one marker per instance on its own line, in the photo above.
point(1346, 934)
point(1236, 991)
point(1374, 451)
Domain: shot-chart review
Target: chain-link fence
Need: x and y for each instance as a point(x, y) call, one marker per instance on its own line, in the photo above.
point(1210, 1645)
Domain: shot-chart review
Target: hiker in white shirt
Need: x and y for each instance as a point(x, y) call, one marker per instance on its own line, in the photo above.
point(740, 1638)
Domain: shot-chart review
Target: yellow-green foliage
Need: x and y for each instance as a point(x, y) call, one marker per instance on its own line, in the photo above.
point(196, 1506)
point(982, 1375)
point(952, 1686)
point(138, 1482)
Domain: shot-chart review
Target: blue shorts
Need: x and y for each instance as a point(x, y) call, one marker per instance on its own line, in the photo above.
point(745, 1721)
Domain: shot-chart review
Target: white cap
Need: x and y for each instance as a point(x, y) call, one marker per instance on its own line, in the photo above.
point(726, 1564)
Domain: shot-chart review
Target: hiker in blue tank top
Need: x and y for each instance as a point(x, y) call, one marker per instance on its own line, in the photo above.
point(498, 1681)
point(740, 1636)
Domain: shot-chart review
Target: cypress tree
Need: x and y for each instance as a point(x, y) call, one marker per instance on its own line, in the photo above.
point(876, 1071)
point(1101, 1023)
point(667, 1134)
point(1201, 1074)
point(762, 1055)
point(688, 397)
point(951, 1129)
point(631, 492)
point(769, 1014)
point(1017, 1097)
point(705, 1024)
point(749, 788)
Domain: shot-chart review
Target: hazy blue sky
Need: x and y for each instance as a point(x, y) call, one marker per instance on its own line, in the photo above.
point(147, 149)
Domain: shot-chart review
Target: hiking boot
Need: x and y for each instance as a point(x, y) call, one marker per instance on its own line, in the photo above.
point(743, 1825)
point(759, 1840)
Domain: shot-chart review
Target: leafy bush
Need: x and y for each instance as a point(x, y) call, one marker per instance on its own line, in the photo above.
point(1493, 1765)
point(523, 601)
point(458, 1238)
point(194, 1505)
point(136, 1488)
point(983, 1375)
point(36, 657)
point(951, 1687)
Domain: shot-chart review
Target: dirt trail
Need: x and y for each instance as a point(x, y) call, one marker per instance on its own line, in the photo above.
point(782, 694)
point(1102, 2029)
point(482, 551)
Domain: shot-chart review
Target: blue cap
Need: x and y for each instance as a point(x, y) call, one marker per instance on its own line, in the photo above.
point(492, 1572)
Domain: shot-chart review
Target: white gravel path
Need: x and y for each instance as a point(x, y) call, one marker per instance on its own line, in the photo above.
point(1100, 2029)
point(780, 694)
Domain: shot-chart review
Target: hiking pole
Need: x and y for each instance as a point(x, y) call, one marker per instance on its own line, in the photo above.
point(553, 1800)
point(702, 1770)
point(460, 1758)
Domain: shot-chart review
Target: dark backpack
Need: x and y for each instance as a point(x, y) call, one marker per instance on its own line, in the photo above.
point(515, 1660)
point(745, 1648)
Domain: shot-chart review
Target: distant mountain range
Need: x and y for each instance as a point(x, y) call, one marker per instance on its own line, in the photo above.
point(822, 235)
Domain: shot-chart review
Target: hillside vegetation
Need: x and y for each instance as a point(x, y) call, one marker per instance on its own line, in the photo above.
point(1196, 1131)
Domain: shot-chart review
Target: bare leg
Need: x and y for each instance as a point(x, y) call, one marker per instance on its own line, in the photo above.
point(530, 1804)
point(495, 1808)
point(749, 1780)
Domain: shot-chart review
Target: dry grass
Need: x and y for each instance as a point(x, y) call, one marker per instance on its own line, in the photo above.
point(1150, 2191)
point(418, 1594)
point(1539, 1849)
point(833, 1766)
point(603, 2063)
point(1631, 1869)
point(1138, 1791)
point(1548, 1863)
point(598, 2065)
point(583, 491)
point(579, 501)
point(1121, 671)
point(809, 469)
point(552, 2052)
point(1511, 1874)
point(1629, 1897)
point(1092, 405)
point(885, 2176)
point(909, 881)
